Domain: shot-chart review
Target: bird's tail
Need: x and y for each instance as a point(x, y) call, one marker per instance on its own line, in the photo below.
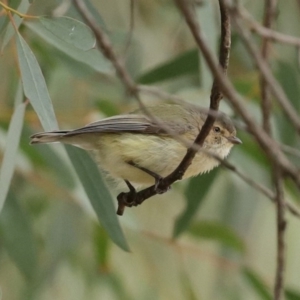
point(47, 137)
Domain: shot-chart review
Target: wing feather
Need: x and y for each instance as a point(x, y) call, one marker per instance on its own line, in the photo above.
point(123, 123)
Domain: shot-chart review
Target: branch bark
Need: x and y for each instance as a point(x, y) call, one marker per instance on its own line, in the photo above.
point(269, 78)
point(216, 94)
point(265, 32)
point(267, 144)
point(266, 104)
point(128, 199)
point(266, 108)
point(281, 228)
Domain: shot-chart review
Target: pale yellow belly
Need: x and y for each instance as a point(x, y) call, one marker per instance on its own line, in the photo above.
point(159, 155)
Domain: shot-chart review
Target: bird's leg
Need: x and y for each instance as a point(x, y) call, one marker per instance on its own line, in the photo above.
point(157, 177)
point(132, 190)
point(127, 199)
point(131, 198)
point(130, 195)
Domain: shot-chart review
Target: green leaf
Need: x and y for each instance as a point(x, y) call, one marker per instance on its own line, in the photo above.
point(292, 294)
point(218, 231)
point(10, 31)
point(186, 63)
point(92, 57)
point(34, 85)
point(18, 238)
point(195, 194)
point(19, 95)
point(71, 31)
point(257, 284)
point(9, 158)
point(97, 193)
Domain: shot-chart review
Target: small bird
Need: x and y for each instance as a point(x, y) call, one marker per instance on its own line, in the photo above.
point(139, 150)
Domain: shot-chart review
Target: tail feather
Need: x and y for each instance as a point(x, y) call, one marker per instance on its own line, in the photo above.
point(47, 137)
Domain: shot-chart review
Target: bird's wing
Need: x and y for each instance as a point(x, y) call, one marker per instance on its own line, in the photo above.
point(133, 123)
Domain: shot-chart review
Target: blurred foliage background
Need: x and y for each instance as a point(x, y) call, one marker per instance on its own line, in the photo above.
point(211, 237)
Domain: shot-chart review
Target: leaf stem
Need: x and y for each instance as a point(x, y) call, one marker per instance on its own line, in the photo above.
point(10, 9)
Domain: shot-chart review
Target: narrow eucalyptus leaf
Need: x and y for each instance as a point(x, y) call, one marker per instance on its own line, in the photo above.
point(97, 193)
point(9, 157)
point(92, 57)
point(34, 85)
point(70, 31)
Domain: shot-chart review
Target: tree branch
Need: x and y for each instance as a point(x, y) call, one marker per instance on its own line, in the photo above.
point(256, 185)
point(215, 99)
point(266, 73)
point(216, 94)
point(266, 104)
point(281, 226)
point(266, 107)
point(265, 32)
point(267, 144)
point(107, 48)
point(128, 199)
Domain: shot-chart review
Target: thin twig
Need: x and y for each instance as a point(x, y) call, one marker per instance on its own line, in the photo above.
point(264, 140)
point(216, 96)
point(215, 99)
point(106, 47)
point(155, 91)
point(266, 104)
point(281, 226)
point(131, 27)
point(249, 180)
point(108, 51)
point(267, 32)
point(10, 9)
point(267, 144)
point(274, 86)
point(266, 107)
point(290, 150)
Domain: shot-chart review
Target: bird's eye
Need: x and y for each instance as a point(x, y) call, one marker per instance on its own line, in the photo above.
point(217, 129)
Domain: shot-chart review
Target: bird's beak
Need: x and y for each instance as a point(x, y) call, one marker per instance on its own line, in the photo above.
point(234, 140)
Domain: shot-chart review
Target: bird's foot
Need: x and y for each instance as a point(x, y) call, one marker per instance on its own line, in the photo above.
point(128, 199)
point(157, 177)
